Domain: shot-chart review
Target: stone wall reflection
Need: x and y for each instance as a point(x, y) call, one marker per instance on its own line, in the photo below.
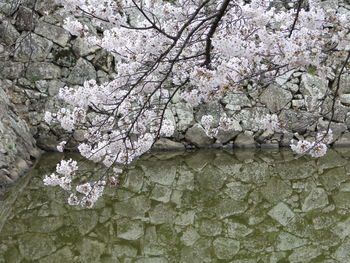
point(241, 206)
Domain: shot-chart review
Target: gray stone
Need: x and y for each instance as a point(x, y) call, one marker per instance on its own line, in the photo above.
point(150, 242)
point(281, 213)
point(244, 141)
point(45, 224)
point(190, 236)
point(341, 200)
point(226, 248)
point(197, 136)
point(45, 7)
point(135, 207)
point(17, 145)
point(298, 104)
point(210, 227)
point(64, 57)
point(342, 254)
point(82, 49)
point(84, 221)
point(324, 221)
point(164, 144)
point(294, 88)
point(185, 218)
point(331, 160)
point(313, 88)
point(205, 178)
point(8, 33)
point(161, 214)
point(90, 250)
point(161, 193)
point(156, 173)
point(63, 255)
point(129, 230)
point(81, 72)
point(237, 230)
point(120, 250)
point(32, 48)
point(79, 135)
point(42, 70)
point(304, 254)
point(134, 180)
point(103, 60)
point(297, 121)
point(345, 99)
point(342, 229)
point(332, 178)
point(344, 84)
point(250, 119)
point(287, 241)
point(338, 113)
point(185, 116)
point(283, 79)
point(35, 246)
point(11, 70)
point(317, 198)
point(236, 101)
point(54, 33)
point(237, 190)
point(200, 252)
point(212, 108)
point(337, 128)
point(275, 98)
point(26, 19)
point(185, 180)
point(229, 207)
point(224, 136)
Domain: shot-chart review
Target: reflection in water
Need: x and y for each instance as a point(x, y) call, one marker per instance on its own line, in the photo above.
point(200, 207)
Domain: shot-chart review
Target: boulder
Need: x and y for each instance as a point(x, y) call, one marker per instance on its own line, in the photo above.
point(164, 144)
point(296, 121)
point(11, 70)
point(185, 116)
point(8, 33)
point(275, 97)
point(32, 48)
point(197, 136)
point(26, 19)
point(42, 70)
point(313, 88)
point(244, 141)
point(345, 99)
point(82, 71)
point(212, 108)
point(250, 119)
point(52, 32)
point(236, 101)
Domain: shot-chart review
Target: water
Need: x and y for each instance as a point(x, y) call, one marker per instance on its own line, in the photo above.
point(243, 206)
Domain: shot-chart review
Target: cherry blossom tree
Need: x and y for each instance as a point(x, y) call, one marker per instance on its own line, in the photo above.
point(201, 50)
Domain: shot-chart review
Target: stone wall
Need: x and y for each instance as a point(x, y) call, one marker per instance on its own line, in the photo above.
point(17, 145)
point(38, 57)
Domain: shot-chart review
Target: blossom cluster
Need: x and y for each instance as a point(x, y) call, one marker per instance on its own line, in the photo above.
point(65, 172)
point(162, 48)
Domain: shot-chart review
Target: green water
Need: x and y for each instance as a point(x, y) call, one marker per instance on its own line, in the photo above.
point(242, 206)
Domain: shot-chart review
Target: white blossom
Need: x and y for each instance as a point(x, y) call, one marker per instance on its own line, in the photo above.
point(61, 145)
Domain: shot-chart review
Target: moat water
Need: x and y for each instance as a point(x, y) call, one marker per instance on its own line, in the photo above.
point(205, 206)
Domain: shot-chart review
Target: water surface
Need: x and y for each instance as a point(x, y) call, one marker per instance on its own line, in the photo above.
point(241, 206)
